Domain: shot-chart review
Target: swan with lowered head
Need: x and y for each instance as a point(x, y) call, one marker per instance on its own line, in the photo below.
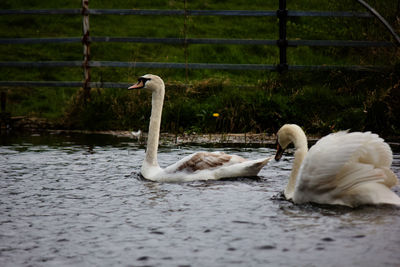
point(342, 168)
point(198, 166)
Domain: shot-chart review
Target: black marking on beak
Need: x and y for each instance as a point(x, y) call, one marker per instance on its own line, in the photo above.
point(279, 151)
point(140, 84)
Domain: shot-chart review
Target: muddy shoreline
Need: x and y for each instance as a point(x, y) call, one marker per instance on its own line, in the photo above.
point(194, 138)
point(23, 125)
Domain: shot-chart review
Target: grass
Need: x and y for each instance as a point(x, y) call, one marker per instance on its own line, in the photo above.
point(247, 100)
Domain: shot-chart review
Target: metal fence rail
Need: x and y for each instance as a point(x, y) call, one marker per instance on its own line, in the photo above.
point(64, 84)
point(172, 65)
point(282, 42)
point(169, 65)
point(154, 65)
point(166, 12)
point(181, 41)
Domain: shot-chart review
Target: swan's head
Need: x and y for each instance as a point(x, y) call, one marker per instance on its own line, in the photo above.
point(287, 134)
point(149, 81)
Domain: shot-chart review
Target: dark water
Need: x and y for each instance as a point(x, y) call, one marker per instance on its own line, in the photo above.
point(78, 201)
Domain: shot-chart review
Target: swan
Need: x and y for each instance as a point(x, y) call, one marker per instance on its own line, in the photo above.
point(342, 168)
point(137, 134)
point(198, 166)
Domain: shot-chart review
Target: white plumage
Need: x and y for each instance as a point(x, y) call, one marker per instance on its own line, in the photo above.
point(137, 134)
point(343, 168)
point(198, 166)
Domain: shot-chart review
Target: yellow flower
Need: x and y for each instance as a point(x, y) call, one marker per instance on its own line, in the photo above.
point(216, 115)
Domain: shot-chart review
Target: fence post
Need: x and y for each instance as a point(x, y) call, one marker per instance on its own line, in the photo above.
point(282, 42)
point(86, 49)
point(185, 43)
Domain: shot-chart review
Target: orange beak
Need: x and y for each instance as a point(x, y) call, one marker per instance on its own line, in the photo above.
point(137, 85)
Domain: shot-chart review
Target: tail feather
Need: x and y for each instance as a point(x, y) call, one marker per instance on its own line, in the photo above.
point(255, 166)
point(244, 169)
point(355, 185)
point(374, 193)
point(368, 185)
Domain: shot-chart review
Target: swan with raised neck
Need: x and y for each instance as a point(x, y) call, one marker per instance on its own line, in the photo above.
point(156, 86)
point(198, 166)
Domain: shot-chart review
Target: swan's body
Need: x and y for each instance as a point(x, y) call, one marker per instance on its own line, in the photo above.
point(343, 168)
point(198, 166)
point(137, 134)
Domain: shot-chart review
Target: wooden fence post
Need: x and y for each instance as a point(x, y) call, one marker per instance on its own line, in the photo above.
point(185, 44)
point(86, 50)
point(282, 42)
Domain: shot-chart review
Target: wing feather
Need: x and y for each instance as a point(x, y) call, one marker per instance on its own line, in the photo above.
point(340, 163)
point(203, 161)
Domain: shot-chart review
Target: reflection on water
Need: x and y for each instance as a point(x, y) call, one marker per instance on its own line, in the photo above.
point(79, 200)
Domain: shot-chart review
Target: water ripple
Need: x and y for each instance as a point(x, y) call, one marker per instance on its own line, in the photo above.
point(67, 202)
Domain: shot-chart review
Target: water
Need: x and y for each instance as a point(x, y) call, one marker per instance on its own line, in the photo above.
point(79, 201)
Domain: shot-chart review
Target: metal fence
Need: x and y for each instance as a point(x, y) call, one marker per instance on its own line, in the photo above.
point(282, 42)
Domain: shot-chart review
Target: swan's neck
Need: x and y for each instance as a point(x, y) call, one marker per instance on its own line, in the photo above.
point(154, 127)
point(301, 147)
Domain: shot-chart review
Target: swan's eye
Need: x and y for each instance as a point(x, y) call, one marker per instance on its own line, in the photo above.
point(143, 80)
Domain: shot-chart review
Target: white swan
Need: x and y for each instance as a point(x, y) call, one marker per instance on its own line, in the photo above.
point(198, 166)
point(343, 168)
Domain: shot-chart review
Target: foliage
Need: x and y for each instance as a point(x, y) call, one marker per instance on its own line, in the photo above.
point(246, 100)
point(320, 106)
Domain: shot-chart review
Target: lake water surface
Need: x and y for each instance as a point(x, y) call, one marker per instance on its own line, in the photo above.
point(78, 200)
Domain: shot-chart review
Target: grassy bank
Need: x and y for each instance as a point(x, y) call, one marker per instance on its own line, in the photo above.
point(255, 101)
point(321, 104)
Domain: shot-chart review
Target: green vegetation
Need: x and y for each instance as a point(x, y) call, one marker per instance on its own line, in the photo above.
point(255, 101)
